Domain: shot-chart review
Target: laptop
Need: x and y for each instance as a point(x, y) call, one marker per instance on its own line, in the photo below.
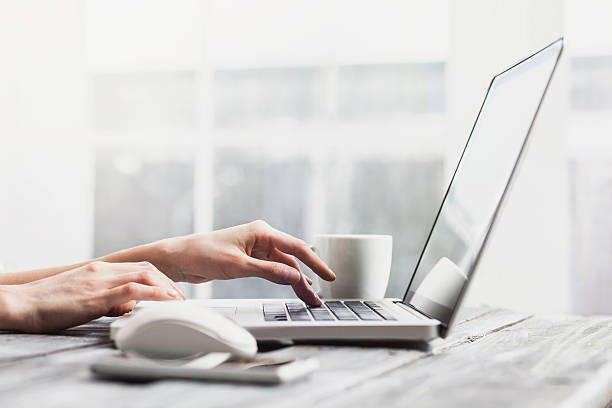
point(472, 202)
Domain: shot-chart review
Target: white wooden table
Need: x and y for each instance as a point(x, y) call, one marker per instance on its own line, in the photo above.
point(494, 357)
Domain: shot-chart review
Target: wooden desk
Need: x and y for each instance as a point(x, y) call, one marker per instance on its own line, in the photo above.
point(494, 357)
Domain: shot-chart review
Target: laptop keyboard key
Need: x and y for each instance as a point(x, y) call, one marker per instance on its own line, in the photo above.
point(299, 317)
point(340, 311)
point(298, 312)
point(274, 312)
point(361, 310)
point(320, 313)
point(380, 310)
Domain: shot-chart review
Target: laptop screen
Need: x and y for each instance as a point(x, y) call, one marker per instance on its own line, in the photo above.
point(479, 184)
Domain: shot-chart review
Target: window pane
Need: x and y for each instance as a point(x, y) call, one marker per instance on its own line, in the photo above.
point(140, 199)
point(591, 83)
point(391, 89)
point(249, 97)
point(250, 185)
point(388, 196)
point(591, 200)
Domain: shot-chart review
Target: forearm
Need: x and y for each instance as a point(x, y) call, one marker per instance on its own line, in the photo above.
point(18, 278)
point(157, 253)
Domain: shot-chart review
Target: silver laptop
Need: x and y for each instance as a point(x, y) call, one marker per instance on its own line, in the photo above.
point(472, 202)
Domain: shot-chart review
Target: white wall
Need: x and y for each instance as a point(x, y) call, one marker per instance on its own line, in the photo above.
point(323, 32)
point(45, 165)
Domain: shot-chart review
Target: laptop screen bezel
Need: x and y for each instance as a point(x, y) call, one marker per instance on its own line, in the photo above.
point(444, 327)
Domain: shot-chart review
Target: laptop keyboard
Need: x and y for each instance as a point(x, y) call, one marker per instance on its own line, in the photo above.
point(328, 311)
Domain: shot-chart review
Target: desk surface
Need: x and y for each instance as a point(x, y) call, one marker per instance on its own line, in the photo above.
point(494, 357)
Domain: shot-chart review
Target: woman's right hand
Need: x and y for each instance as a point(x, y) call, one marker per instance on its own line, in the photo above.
point(82, 294)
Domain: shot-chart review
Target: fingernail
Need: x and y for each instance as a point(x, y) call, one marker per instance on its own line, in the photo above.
point(172, 293)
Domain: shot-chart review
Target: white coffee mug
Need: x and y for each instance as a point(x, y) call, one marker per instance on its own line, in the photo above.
point(362, 264)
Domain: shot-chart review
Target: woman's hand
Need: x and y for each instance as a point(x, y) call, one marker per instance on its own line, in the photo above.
point(79, 295)
point(253, 249)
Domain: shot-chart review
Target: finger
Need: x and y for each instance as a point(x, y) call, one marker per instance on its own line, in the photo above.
point(144, 277)
point(305, 292)
point(142, 272)
point(278, 256)
point(147, 267)
point(164, 277)
point(136, 291)
point(291, 245)
point(276, 272)
point(122, 309)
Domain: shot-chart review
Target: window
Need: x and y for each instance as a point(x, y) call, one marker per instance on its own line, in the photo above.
point(312, 142)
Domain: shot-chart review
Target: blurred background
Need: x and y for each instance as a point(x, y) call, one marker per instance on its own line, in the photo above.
point(126, 121)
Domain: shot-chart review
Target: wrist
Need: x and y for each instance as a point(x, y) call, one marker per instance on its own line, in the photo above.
point(166, 255)
point(163, 254)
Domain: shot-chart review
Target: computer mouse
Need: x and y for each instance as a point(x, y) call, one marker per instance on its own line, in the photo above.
point(176, 330)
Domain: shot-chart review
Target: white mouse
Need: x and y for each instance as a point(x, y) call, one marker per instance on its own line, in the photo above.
point(176, 330)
